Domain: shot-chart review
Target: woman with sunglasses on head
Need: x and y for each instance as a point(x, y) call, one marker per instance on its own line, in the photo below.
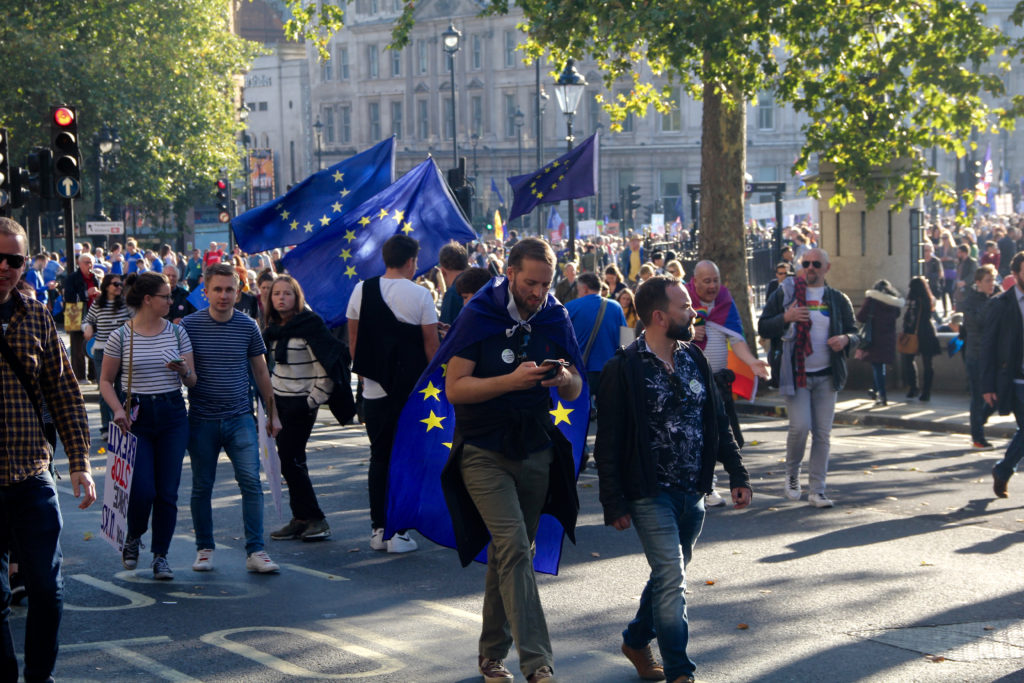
point(154, 357)
point(106, 315)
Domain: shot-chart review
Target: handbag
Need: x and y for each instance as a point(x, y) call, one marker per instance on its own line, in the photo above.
point(906, 343)
point(866, 334)
point(73, 316)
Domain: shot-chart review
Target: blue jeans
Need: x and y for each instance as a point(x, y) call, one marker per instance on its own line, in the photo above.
point(668, 526)
point(1005, 468)
point(30, 525)
point(237, 436)
point(980, 411)
point(162, 430)
point(878, 373)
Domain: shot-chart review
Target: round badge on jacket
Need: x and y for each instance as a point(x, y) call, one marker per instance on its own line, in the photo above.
point(508, 356)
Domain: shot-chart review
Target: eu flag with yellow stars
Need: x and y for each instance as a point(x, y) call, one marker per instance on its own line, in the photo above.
point(570, 176)
point(426, 427)
point(198, 298)
point(311, 206)
point(418, 204)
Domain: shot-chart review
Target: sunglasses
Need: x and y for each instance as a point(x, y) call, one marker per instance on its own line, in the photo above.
point(808, 264)
point(13, 260)
point(117, 284)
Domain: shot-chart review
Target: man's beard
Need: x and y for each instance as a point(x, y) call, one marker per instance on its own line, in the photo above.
point(522, 303)
point(680, 332)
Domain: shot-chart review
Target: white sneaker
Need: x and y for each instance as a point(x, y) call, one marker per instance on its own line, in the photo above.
point(819, 500)
point(261, 563)
point(377, 541)
point(793, 491)
point(401, 543)
point(204, 561)
point(714, 499)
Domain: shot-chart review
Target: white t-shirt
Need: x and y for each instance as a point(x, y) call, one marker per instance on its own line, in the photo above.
point(717, 348)
point(819, 358)
point(407, 300)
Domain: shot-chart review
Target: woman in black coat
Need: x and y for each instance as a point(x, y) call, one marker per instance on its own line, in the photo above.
point(917, 319)
point(881, 307)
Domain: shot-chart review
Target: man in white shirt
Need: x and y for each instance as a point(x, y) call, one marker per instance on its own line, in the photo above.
point(396, 320)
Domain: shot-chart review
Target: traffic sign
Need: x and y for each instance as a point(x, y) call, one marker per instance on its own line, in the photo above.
point(104, 227)
point(67, 187)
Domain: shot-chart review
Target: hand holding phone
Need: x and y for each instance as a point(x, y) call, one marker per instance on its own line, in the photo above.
point(555, 367)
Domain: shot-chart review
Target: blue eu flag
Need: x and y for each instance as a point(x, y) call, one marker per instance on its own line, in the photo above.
point(495, 190)
point(570, 176)
point(419, 204)
point(198, 298)
point(312, 205)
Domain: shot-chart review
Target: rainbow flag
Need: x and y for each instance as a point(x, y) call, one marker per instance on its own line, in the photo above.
point(725, 317)
point(499, 229)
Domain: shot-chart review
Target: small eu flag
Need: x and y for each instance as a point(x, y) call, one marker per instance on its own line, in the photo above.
point(198, 298)
point(495, 190)
point(311, 206)
point(570, 176)
point(419, 204)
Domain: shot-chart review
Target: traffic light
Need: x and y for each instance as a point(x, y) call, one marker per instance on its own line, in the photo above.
point(19, 187)
point(67, 157)
point(5, 172)
point(223, 200)
point(613, 211)
point(582, 211)
point(634, 197)
point(40, 172)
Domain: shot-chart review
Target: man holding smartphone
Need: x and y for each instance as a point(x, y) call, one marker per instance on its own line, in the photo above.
point(507, 455)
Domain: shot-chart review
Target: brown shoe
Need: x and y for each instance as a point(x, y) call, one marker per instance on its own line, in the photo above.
point(647, 666)
point(542, 674)
point(494, 670)
point(999, 486)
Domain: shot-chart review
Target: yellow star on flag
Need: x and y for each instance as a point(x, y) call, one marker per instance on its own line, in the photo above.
point(554, 164)
point(345, 254)
point(447, 443)
point(444, 369)
point(284, 215)
point(295, 225)
point(351, 272)
point(338, 176)
point(561, 414)
point(336, 207)
point(407, 228)
point(383, 214)
point(540, 195)
point(430, 392)
point(308, 226)
point(553, 186)
point(399, 215)
point(349, 235)
point(344, 193)
point(561, 176)
point(364, 221)
point(433, 421)
point(324, 220)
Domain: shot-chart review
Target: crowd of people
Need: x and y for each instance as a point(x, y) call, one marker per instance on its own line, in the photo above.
point(651, 331)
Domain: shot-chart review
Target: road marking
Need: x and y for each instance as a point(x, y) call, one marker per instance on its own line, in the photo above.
point(451, 611)
point(126, 642)
point(313, 572)
point(135, 599)
point(421, 651)
point(148, 664)
point(387, 665)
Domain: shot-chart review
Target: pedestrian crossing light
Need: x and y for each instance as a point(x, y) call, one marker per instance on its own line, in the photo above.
point(67, 157)
point(223, 201)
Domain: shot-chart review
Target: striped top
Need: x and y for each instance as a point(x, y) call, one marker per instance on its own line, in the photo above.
point(106, 320)
point(223, 352)
point(150, 374)
point(302, 375)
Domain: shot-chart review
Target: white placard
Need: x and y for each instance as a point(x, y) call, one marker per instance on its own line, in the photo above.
point(584, 228)
point(121, 448)
point(104, 227)
point(269, 458)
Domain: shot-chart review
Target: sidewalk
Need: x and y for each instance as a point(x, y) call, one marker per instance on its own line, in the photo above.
point(943, 413)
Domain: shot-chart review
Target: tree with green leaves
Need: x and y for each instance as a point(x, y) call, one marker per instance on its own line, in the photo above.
point(163, 74)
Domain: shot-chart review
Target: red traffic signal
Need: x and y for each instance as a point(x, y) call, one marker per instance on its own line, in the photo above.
point(222, 185)
point(63, 116)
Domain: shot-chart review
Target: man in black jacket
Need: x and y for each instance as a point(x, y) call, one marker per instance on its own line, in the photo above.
point(663, 428)
point(1002, 368)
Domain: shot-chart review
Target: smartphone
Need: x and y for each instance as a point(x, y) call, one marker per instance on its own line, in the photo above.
point(556, 367)
point(177, 360)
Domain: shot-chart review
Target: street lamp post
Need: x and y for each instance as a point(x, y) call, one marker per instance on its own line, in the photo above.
point(243, 116)
point(107, 144)
point(569, 91)
point(540, 108)
point(319, 127)
point(517, 121)
point(450, 42)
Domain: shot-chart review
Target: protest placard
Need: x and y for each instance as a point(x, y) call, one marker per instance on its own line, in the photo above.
point(121, 447)
point(269, 457)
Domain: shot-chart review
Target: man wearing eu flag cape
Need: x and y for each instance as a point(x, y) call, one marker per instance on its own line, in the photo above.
point(509, 461)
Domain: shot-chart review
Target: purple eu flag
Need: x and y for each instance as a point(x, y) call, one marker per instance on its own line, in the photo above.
point(570, 176)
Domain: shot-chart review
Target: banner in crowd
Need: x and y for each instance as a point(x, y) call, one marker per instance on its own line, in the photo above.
point(571, 176)
point(121, 448)
point(269, 458)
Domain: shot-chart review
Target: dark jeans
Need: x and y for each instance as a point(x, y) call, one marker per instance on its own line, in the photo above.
point(162, 430)
point(30, 525)
point(910, 373)
point(381, 416)
point(1005, 468)
point(878, 373)
point(296, 425)
point(77, 353)
point(980, 411)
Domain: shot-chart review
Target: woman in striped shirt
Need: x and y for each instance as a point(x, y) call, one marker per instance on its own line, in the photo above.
point(301, 384)
point(154, 357)
point(106, 315)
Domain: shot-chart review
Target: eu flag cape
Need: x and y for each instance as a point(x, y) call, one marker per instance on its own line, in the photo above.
point(427, 424)
point(317, 201)
point(329, 265)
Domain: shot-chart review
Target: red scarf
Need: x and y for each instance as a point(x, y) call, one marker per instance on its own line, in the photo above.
point(803, 333)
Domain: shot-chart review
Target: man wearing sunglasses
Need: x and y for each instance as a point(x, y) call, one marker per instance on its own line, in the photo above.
point(30, 520)
point(817, 328)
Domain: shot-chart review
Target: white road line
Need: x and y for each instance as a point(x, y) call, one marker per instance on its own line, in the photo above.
point(135, 599)
point(314, 572)
point(451, 611)
point(149, 664)
point(127, 642)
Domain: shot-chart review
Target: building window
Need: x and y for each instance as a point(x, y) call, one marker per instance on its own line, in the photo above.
point(421, 56)
point(374, 6)
point(510, 48)
point(263, 106)
point(374, 66)
point(345, 123)
point(627, 123)
point(672, 122)
point(396, 62)
point(343, 63)
point(447, 119)
point(329, 124)
point(510, 115)
point(765, 112)
point(422, 120)
point(476, 115)
point(374, 121)
point(396, 5)
point(396, 120)
point(476, 52)
point(326, 70)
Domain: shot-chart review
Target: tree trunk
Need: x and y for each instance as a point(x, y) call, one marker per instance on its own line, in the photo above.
point(722, 169)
